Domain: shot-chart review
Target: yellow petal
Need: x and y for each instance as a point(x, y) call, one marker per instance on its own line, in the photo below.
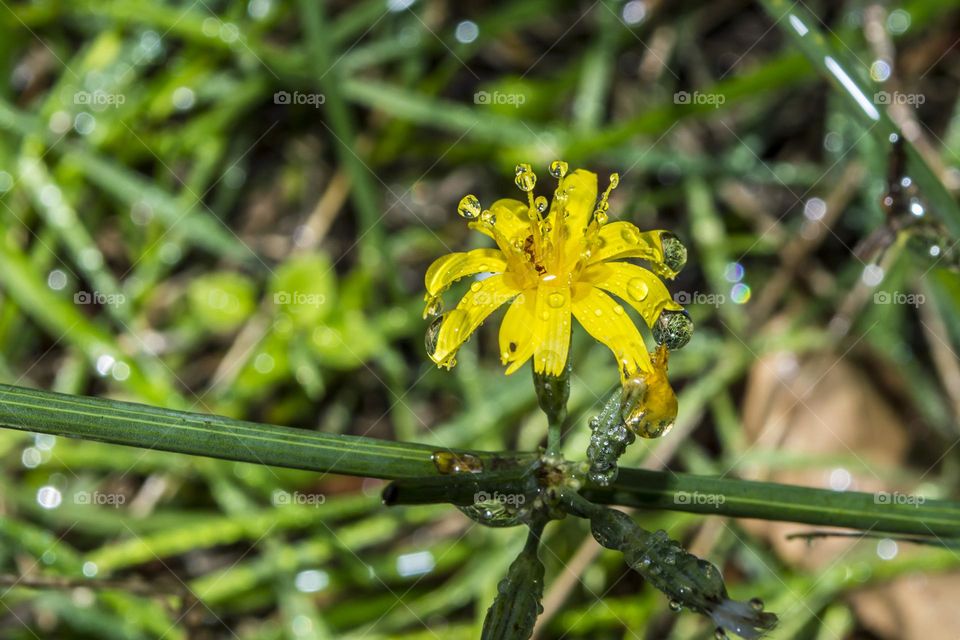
point(551, 329)
point(619, 240)
point(512, 221)
point(483, 298)
point(635, 285)
point(453, 266)
point(580, 187)
point(609, 323)
point(517, 341)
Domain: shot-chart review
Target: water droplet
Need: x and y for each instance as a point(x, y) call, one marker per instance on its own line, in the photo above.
point(558, 169)
point(630, 234)
point(475, 286)
point(756, 604)
point(525, 178)
point(469, 207)
point(637, 289)
point(540, 203)
point(597, 312)
point(432, 335)
point(614, 180)
point(488, 218)
point(434, 307)
point(556, 299)
point(448, 462)
point(674, 252)
point(673, 329)
point(601, 218)
point(675, 606)
point(618, 310)
point(720, 634)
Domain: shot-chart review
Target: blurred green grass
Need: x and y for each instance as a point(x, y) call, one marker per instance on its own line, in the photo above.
point(148, 168)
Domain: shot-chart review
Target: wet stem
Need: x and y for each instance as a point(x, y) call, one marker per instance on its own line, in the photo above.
point(424, 481)
point(553, 392)
point(555, 431)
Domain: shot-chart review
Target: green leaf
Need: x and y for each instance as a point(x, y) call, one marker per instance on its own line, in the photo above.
point(221, 301)
point(305, 289)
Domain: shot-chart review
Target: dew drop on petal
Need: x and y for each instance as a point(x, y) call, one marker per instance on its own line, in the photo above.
point(674, 252)
point(673, 329)
point(469, 207)
point(558, 168)
point(556, 300)
point(433, 308)
point(432, 335)
point(637, 289)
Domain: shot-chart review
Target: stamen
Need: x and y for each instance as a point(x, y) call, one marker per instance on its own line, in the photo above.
point(600, 214)
point(558, 169)
point(526, 180)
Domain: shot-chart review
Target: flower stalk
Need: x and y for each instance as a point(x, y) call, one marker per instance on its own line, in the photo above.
point(553, 392)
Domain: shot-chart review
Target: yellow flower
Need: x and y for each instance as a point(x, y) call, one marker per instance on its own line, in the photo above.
point(551, 264)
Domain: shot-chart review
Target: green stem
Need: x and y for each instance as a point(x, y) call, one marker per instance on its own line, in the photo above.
point(214, 436)
point(875, 512)
point(553, 392)
point(460, 489)
point(554, 435)
point(200, 434)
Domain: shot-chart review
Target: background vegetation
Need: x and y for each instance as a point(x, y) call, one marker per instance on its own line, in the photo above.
point(228, 207)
